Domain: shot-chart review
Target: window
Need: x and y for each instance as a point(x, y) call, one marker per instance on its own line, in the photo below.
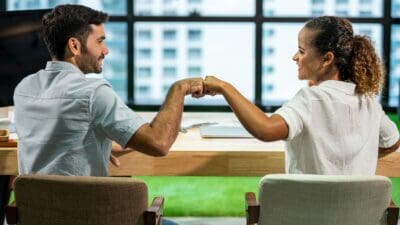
point(174, 40)
point(280, 63)
point(165, 89)
point(194, 71)
point(169, 12)
point(303, 8)
point(116, 63)
point(169, 53)
point(169, 35)
point(317, 12)
point(342, 13)
point(114, 7)
point(394, 87)
point(395, 8)
point(235, 41)
point(269, 87)
point(268, 70)
point(169, 72)
point(365, 13)
point(268, 51)
point(144, 72)
point(194, 53)
point(194, 35)
point(267, 33)
point(144, 35)
point(144, 90)
point(144, 53)
point(201, 7)
point(144, 2)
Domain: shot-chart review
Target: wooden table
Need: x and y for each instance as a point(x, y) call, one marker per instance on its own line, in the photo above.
point(193, 155)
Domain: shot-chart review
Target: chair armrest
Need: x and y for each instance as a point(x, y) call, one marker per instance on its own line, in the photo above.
point(153, 215)
point(252, 208)
point(12, 214)
point(392, 215)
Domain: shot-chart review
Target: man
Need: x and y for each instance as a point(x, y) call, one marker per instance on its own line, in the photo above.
point(66, 122)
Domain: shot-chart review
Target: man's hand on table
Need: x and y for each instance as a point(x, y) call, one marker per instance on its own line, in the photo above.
point(117, 148)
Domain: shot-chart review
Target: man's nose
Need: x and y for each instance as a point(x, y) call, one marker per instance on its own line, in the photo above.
point(105, 50)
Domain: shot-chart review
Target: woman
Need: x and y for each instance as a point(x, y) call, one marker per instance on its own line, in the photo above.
point(335, 126)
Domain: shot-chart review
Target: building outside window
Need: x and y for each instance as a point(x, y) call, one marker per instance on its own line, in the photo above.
point(144, 35)
point(169, 72)
point(169, 35)
point(194, 35)
point(170, 44)
point(194, 53)
point(169, 53)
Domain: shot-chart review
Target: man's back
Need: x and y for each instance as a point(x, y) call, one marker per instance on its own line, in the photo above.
point(52, 109)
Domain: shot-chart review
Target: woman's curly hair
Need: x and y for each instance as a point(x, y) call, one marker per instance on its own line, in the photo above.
point(355, 56)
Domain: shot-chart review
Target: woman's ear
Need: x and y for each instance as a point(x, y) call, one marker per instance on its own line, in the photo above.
point(74, 46)
point(328, 59)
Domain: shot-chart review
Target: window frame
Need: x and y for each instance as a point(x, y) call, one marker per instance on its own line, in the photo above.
point(258, 19)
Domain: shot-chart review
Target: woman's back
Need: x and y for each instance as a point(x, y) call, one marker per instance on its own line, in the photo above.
point(332, 130)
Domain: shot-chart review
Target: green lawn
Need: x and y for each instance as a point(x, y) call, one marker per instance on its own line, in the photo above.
point(211, 196)
point(201, 196)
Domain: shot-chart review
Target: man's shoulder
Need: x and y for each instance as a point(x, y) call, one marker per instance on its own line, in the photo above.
point(28, 81)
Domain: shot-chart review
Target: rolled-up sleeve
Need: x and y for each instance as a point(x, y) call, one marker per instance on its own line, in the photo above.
point(112, 117)
point(388, 132)
point(294, 113)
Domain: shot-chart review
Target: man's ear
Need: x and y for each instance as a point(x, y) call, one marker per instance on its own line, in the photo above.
point(74, 46)
point(328, 58)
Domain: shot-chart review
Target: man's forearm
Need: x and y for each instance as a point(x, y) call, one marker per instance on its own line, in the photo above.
point(167, 122)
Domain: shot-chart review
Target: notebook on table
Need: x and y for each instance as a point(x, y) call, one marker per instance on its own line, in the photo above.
point(224, 132)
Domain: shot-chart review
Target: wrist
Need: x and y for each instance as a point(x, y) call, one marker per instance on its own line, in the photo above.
point(180, 87)
point(224, 86)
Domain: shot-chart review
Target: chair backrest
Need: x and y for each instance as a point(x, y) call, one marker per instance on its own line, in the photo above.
point(288, 199)
point(66, 200)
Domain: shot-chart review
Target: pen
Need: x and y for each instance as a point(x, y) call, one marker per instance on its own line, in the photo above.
point(184, 129)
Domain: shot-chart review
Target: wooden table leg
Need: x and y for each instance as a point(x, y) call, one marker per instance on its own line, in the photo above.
point(4, 194)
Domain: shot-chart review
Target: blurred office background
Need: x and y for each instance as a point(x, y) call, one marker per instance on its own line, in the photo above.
point(249, 43)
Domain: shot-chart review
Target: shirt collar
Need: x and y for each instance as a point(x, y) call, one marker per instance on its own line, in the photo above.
point(345, 87)
point(62, 65)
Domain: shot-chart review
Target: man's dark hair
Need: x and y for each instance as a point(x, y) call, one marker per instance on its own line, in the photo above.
point(66, 21)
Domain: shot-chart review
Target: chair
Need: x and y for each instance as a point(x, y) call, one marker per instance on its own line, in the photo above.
point(291, 199)
point(77, 200)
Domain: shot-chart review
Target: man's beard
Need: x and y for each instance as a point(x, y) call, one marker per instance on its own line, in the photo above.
point(88, 63)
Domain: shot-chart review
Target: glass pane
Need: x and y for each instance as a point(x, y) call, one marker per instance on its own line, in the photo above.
point(313, 8)
point(115, 63)
point(394, 75)
point(374, 31)
point(176, 51)
point(279, 71)
point(396, 8)
point(194, 7)
point(115, 7)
